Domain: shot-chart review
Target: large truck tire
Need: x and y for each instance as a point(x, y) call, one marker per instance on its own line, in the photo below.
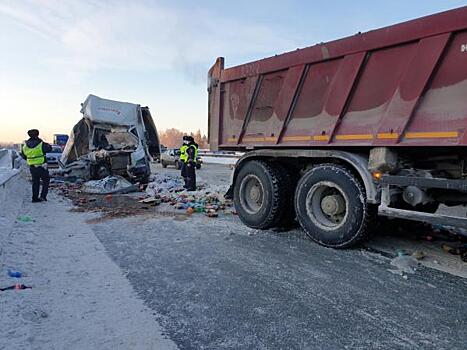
point(259, 196)
point(287, 180)
point(331, 207)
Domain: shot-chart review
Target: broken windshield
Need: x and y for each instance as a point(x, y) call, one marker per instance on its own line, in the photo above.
point(118, 138)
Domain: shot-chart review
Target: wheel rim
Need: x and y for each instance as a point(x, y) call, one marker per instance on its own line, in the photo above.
point(327, 205)
point(251, 194)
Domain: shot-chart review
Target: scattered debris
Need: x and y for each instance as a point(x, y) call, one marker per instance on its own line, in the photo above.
point(109, 185)
point(169, 189)
point(24, 218)
point(212, 213)
point(150, 200)
point(401, 252)
point(459, 249)
point(161, 184)
point(418, 254)
point(163, 189)
point(405, 263)
point(15, 286)
point(15, 274)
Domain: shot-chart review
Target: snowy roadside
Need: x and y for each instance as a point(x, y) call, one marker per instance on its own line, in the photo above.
point(219, 160)
point(79, 298)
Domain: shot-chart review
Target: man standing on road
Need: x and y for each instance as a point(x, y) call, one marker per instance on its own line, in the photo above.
point(188, 156)
point(34, 151)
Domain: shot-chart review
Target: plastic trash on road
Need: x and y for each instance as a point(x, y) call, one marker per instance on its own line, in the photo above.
point(15, 274)
point(24, 218)
point(17, 286)
point(109, 185)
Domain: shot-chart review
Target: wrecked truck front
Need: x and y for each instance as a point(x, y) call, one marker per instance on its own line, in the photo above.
point(110, 139)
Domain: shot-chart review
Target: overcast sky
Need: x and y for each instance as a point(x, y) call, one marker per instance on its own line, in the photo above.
point(156, 53)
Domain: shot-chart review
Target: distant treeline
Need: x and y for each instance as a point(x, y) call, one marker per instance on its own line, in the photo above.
point(172, 138)
point(7, 145)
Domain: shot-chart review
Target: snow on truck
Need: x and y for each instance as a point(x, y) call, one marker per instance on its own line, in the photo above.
point(338, 133)
point(112, 138)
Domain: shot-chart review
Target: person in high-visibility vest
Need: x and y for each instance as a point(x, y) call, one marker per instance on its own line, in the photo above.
point(34, 151)
point(188, 156)
point(183, 156)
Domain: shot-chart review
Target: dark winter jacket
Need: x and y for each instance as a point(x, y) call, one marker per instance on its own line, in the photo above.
point(31, 143)
point(191, 152)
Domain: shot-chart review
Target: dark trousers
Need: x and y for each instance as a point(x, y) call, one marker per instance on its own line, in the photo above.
point(189, 176)
point(39, 173)
point(183, 171)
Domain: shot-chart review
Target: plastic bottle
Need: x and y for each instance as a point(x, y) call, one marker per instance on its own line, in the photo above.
point(15, 274)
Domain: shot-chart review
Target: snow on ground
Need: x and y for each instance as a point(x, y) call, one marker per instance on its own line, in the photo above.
point(219, 160)
point(7, 174)
point(79, 298)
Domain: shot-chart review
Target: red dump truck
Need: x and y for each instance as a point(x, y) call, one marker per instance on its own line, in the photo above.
point(340, 133)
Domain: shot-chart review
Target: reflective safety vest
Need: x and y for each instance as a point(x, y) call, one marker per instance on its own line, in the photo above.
point(184, 153)
point(34, 156)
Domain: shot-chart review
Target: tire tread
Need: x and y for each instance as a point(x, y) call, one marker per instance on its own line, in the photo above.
point(369, 211)
point(275, 212)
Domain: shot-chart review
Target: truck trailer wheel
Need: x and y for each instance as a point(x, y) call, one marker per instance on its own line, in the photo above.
point(331, 206)
point(259, 196)
point(288, 181)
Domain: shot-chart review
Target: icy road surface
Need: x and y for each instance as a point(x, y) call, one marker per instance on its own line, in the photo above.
point(79, 297)
point(158, 281)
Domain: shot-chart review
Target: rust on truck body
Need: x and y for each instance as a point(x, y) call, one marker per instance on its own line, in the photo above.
point(403, 85)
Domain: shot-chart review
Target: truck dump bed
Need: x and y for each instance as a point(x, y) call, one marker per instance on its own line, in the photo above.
point(403, 85)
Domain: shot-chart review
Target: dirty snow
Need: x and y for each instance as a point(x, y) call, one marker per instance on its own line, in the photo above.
point(405, 263)
point(79, 298)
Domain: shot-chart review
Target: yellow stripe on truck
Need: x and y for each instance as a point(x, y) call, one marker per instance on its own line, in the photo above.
point(355, 137)
point(259, 139)
point(388, 135)
point(431, 135)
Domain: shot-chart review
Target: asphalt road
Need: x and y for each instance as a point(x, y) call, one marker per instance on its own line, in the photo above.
point(219, 285)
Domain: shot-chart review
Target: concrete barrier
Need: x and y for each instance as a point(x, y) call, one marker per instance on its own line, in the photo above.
point(8, 165)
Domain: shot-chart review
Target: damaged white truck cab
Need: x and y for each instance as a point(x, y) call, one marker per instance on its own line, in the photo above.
point(112, 138)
